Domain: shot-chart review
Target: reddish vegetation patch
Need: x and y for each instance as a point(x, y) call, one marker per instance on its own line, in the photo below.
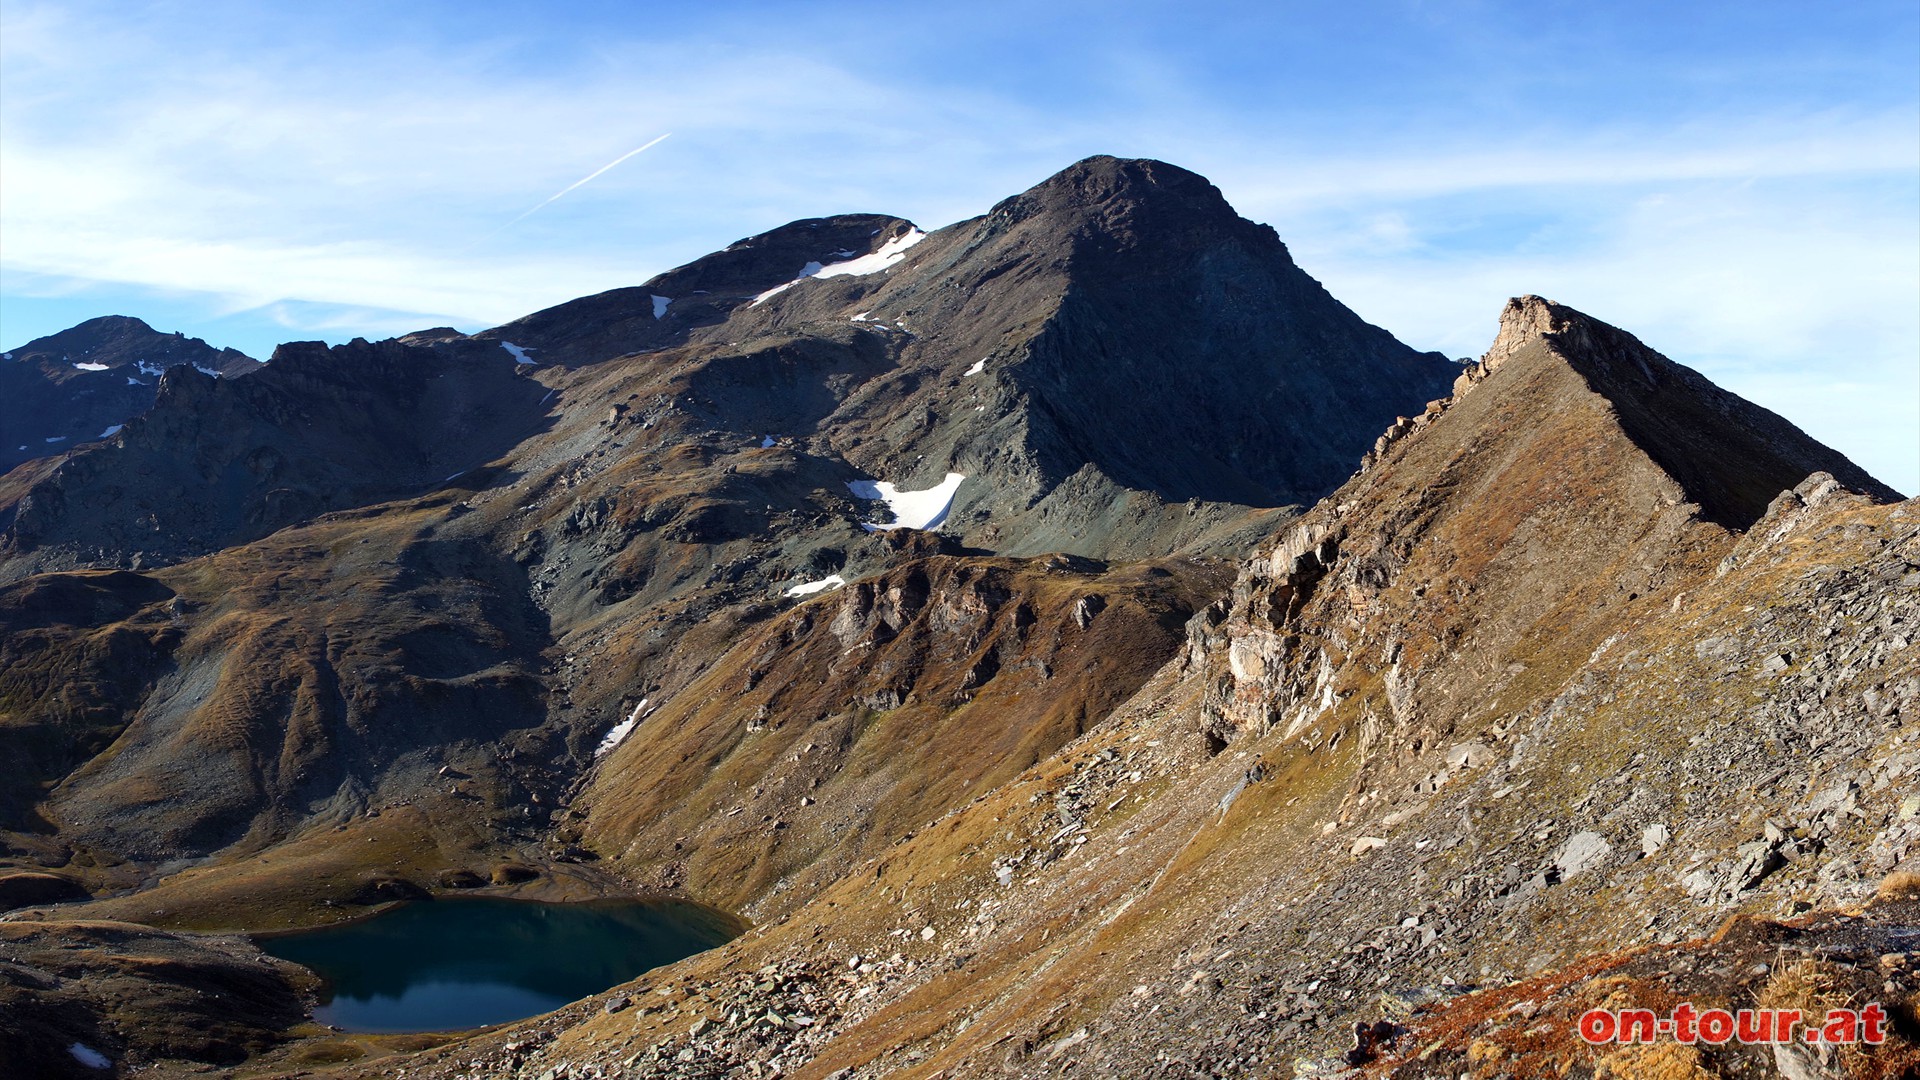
point(1821, 961)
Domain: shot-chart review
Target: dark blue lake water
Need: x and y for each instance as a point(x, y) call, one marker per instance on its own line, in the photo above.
point(442, 965)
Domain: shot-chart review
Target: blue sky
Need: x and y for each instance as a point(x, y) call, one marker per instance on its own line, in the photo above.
point(1737, 184)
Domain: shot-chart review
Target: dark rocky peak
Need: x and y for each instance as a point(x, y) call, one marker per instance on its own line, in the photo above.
point(116, 341)
point(388, 364)
point(663, 311)
point(1176, 316)
point(1730, 455)
point(433, 336)
point(1118, 326)
point(1129, 203)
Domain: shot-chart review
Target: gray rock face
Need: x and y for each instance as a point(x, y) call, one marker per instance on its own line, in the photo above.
point(1752, 863)
point(1470, 755)
point(1653, 838)
point(1581, 852)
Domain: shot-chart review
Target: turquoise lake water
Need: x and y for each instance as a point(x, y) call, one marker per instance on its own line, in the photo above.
point(443, 965)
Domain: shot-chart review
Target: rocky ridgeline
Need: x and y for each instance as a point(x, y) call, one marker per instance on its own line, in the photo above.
point(85, 383)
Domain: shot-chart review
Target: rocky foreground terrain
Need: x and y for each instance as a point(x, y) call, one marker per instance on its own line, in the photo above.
point(1168, 744)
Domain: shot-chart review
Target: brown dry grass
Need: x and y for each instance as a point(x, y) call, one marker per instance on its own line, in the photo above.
point(883, 735)
point(1815, 987)
point(1660, 1061)
point(1899, 885)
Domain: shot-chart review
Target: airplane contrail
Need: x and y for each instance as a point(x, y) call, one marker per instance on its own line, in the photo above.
point(583, 180)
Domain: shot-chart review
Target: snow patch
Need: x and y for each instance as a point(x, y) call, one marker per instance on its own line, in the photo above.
point(889, 253)
point(131, 381)
point(204, 370)
point(620, 731)
point(812, 269)
point(872, 263)
point(6, 356)
point(58, 438)
point(91, 367)
point(831, 581)
point(520, 355)
point(978, 367)
point(148, 369)
point(766, 443)
point(110, 432)
point(862, 317)
point(911, 509)
point(88, 1056)
point(660, 305)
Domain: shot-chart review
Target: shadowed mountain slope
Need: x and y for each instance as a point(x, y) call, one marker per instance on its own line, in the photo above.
point(218, 462)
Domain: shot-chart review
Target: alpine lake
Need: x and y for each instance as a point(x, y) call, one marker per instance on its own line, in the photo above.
point(466, 962)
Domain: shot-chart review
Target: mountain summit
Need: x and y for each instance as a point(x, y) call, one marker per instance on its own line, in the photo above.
point(1730, 455)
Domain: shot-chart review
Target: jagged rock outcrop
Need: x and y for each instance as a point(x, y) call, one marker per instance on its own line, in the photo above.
point(1732, 456)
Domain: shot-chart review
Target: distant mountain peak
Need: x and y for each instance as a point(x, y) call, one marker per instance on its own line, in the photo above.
point(108, 336)
point(114, 324)
point(86, 382)
point(1131, 200)
point(1103, 177)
